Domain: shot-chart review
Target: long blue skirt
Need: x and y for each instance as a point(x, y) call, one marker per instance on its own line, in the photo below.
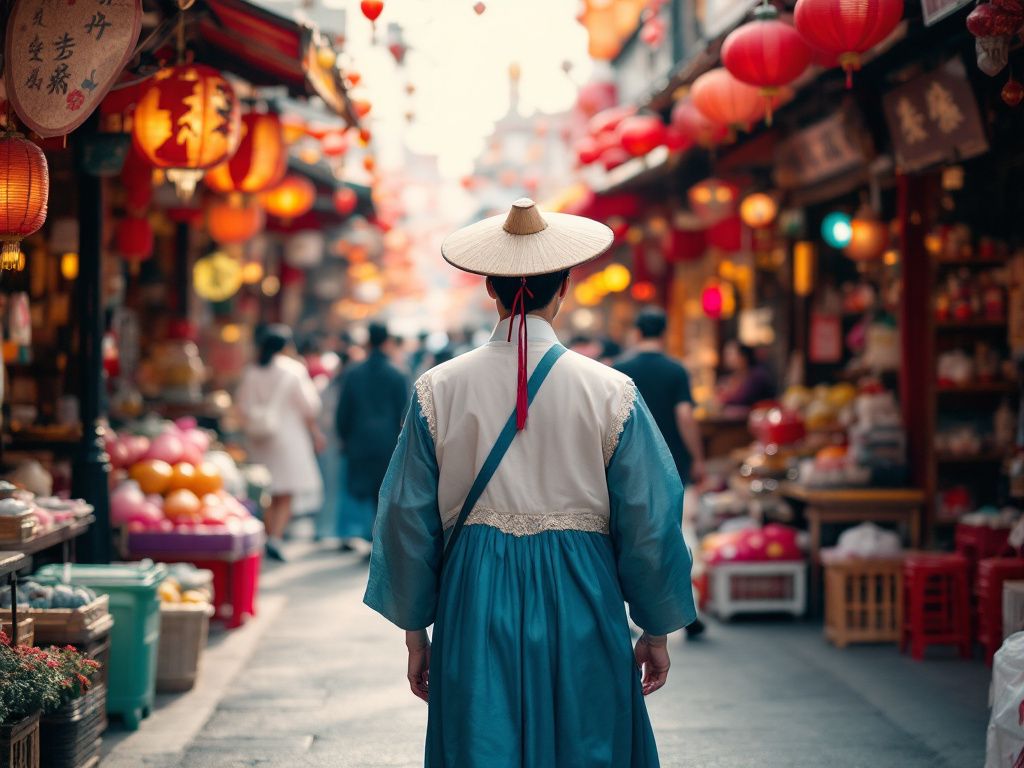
point(532, 664)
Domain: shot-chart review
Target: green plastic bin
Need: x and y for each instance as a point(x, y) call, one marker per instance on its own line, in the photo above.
point(134, 639)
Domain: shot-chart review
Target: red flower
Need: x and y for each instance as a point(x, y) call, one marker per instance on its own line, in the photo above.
point(75, 100)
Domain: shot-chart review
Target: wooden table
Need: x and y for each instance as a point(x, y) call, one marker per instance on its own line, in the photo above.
point(851, 506)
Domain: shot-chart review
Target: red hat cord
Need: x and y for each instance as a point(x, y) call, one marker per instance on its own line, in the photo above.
point(522, 393)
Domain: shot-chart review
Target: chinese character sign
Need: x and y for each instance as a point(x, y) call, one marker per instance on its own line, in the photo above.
point(63, 57)
point(934, 118)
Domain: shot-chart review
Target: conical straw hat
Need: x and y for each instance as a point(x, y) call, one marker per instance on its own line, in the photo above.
point(525, 243)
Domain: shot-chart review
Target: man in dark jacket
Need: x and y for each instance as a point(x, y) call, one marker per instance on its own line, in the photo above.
point(373, 400)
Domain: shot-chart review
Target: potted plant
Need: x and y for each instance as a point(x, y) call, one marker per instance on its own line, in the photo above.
point(34, 681)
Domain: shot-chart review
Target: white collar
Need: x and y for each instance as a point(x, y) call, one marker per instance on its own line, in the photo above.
point(537, 328)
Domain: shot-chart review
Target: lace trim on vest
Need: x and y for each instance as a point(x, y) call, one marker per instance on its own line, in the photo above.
point(425, 397)
point(619, 421)
point(530, 525)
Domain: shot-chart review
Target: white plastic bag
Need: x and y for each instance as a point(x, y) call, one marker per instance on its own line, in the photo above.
point(1004, 746)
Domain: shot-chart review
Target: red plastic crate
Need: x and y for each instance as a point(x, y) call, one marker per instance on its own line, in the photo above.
point(235, 584)
point(936, 603)
point(988, 590)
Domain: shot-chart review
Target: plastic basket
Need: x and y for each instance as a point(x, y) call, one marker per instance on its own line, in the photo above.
point(19, 744)
point(71, 737)
point(769, 587)
point(183, 631)
point(864, 601)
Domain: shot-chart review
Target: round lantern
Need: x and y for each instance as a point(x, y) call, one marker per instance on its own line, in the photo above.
point(217, 277)
point(712, 200)
point(613, 157)
point(692, 124)
point(712, 301)
point(24, 190)
point(588, 150)
point(261, 159)
point(595, 96)
point(229, 224)
point(847, 28)
point(371, 9)
point(345, 200)
point(727, 101)
point(758, 210)
point(640, 134)
point(293, 197)
point(608, 120)
point(304, 250)
point(836, 229)
point(134, 239)
point(187, 121)
point(766, 53)
point(869, 237)
point(616, 278)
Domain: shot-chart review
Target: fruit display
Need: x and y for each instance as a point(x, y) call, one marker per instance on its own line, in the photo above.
point(751, 545)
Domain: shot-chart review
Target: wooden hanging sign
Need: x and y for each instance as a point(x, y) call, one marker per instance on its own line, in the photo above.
point(62, 56)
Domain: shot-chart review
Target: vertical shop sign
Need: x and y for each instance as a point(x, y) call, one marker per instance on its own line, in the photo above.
point(934, 118)
point(62, 57)
point(821, 151)
point(826, 339)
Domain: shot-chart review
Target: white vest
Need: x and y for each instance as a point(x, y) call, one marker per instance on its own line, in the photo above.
point(553, 476)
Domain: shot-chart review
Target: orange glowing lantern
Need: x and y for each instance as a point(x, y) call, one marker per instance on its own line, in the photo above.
point(259, 163)
point(869, 237)
point(24, 190)
point(758, 210)
point(712, 200)
point(727, 101)
point(345, 200)
point(643, 291)
point(186, 122)
point(369, 163)
point(230, 224)
point(293, 197)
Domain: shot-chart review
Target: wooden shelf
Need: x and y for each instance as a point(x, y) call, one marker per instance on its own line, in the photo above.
point(51, 538)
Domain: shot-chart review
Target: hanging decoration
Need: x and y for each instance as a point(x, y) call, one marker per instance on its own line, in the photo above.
point(260, 161)
point(758, 210)
point(712, 200)
point(588, 150)
point(62, 59)
point(186, 122)
point(24, 191)
point(836, 229)
point(334, 144)
point(640, 134)
point(1012, 93)
point(345, 200)
point(766, 53)
point(848, 28)
point(692, 124)
point(293, 197)
point(372, 9)
point(596, 96)
point(217, 277)
point(869, 237)
point(712, 301)
point(727, 101)
point(479, 8)
point(134, 239)
point(396, 44)
point(233, 223)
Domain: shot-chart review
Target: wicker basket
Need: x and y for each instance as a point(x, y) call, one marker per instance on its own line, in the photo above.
point(56, 625)
point(183, 631)
point(19, 744)
point(864, 601)
point(16, 529)
point(71, 737)
point(26, 629)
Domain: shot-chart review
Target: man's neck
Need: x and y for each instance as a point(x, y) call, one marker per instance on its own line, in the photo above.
point(650, 345)
point(545, 315)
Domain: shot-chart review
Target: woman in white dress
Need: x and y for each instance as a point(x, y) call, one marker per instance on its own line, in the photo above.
point(280, 404)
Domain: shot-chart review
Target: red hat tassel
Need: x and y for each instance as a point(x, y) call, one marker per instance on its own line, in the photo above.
point(522, 393)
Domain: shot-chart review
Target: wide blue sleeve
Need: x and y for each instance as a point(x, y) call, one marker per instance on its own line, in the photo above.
point(405, 566)
point(646, 516)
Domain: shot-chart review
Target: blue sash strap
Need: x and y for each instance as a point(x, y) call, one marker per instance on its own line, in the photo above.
point(501, 446)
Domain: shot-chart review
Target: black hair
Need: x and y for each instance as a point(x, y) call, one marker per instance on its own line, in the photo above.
point(378, 333)
point(651, 322)
point(272, 341)
point(747, 353)
point(543, 288)
point(610, 349)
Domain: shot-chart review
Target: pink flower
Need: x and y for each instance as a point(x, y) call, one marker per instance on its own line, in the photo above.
point(75, 100)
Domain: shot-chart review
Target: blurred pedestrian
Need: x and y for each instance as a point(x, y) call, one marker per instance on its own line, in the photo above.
point(279, 404)
point(517, 536)
point(665, 387)
point(372, 402)
point(747, 380)
point(332, 464)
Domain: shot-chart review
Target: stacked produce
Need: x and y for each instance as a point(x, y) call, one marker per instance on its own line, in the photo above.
point(752, 545)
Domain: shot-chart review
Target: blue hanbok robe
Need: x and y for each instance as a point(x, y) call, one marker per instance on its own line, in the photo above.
point(532, 662)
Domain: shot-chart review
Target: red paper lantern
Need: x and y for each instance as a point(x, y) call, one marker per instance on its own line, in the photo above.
point(260, 162)
point(345, 200)
point(293, 197)
point(613, 157)
point(608, 120)
point(596, 96)
point(588, 150)
point(334, 144)
point(230, 224)
point(639, 134)
point(725, 100)
point(847, 27)
point(371, 8)
point(187, 121)
point(712, 200)
point(766, 52)
point(726, 235)
point(24, 191)
point(135, 239)
point(692, 124)
point(712, 301)
point(676, 140)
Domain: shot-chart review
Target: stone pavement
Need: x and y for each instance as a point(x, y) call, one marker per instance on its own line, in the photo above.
point(318, 680)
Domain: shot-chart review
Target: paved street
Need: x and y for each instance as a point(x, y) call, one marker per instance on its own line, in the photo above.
point(318, 680)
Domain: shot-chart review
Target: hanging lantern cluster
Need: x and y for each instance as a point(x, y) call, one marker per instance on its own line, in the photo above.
point(846, 28)
point(692, 125)
point(234, 222)
point(24, 191)
point(187, 121)
point(725, 100)
point(616, 134)
point(260, 161)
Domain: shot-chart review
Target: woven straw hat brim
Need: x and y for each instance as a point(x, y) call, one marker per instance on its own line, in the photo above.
point(485, 248)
